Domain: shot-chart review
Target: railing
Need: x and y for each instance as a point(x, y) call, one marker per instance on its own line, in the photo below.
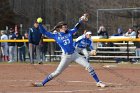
point(94, 40)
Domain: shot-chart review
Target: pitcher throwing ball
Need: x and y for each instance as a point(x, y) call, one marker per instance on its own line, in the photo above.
point(64, 39)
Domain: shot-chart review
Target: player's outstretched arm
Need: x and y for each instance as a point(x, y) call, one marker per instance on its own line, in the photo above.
point(43, 30)
point(91, 45)
point(93, 51)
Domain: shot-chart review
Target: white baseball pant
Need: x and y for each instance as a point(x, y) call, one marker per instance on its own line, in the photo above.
point(83, 51)
point(67, 59)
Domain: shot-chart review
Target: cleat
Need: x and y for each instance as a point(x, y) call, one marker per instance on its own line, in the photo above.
point(37, 84)
point(100, 84)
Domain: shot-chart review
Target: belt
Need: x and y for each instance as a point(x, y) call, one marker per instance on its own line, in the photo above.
point(69, 53)
point(81, 47)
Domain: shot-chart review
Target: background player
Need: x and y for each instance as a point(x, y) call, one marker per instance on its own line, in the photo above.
point(4, 46)
point(63, 37)
point(83, 42)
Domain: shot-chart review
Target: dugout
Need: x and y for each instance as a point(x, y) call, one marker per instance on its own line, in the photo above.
point(118, 17)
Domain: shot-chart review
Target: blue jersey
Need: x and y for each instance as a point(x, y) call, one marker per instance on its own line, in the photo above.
point(64, 40)
point(83, 42)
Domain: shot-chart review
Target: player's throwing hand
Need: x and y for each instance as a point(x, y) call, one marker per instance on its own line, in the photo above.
point(84, 17)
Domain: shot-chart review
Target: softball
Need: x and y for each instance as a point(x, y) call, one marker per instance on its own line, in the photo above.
point(92, 53)
point(39, 20)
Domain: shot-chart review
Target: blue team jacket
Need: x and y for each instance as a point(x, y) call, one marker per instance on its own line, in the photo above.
point(34, 36)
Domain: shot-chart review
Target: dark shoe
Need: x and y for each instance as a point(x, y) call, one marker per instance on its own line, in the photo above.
point(40, 62)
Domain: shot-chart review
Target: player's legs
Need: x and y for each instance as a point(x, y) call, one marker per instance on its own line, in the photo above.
point(31, 52)
point(6, 53)
point(82, 61)
point(2, 51)
point(11, 53)
point(38, 53)
point(61, 67)
point(86, 54)
point(78, 50)
point(138, 54)
point(21, 53)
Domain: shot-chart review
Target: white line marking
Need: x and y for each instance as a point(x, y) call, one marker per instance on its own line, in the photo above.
point(94, 82)
point(71, 91)
point(79, 81)
point(83, 90)
point(109, 66)
point(60, 91)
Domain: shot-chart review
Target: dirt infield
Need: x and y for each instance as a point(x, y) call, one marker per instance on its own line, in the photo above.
point(120, 78)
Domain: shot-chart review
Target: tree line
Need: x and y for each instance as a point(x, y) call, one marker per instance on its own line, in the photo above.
point(52, 11)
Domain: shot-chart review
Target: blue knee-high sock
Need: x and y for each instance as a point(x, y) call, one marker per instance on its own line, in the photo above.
point(47, 79)
point(94, 75)
point(96, 78)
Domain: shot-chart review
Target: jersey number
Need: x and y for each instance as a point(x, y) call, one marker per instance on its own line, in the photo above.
point(67, 41)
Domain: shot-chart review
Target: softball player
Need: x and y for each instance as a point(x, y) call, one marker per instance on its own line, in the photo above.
point(82, 42)
point(64, 39)
point(4, 46)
